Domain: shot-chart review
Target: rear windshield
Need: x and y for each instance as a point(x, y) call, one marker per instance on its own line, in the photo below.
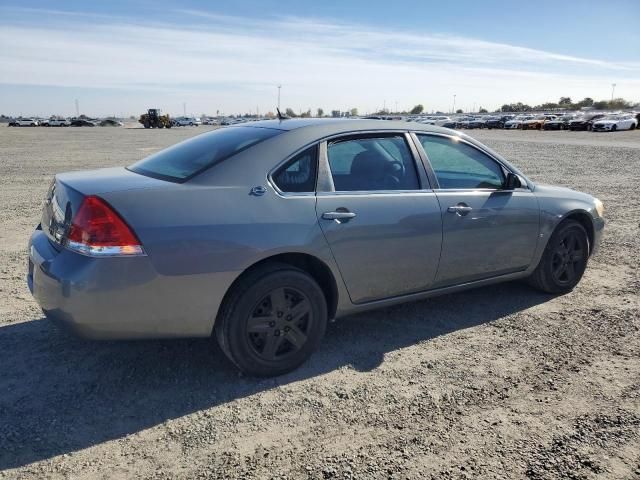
point(186, 159)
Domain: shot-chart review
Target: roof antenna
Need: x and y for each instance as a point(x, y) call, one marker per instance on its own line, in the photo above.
point(280, 116)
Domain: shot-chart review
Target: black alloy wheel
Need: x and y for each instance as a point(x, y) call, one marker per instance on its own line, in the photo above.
point(272, 320)
point(567, 258)
point(280, 323)
point(564, 260)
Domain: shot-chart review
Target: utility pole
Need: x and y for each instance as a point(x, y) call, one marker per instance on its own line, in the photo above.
point(77, 108)
point(396, 106)
point(279, 87)
point(453, 110)
point(184, 108)
point(613, 89)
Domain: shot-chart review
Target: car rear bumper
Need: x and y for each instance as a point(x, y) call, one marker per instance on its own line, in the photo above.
point(119, 297)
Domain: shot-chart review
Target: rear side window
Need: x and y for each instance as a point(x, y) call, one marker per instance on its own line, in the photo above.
point(188, 158)
point(369, 164)
point(299, 174)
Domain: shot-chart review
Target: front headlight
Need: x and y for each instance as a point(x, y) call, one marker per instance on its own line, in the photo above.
point(599, 207)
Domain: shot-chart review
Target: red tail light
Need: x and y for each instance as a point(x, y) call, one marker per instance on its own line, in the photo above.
point(96, 229)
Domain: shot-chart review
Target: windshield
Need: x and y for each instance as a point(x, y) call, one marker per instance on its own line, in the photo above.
point(188, 158)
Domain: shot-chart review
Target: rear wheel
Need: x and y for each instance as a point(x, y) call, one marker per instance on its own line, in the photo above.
point(614, 128)
point(272, 321)
point(564, 260)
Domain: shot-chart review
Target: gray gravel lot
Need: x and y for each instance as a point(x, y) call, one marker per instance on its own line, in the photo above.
point(500, 382)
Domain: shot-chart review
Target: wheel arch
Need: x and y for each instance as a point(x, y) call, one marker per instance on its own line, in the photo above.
point(313, 266)
point(583, 218)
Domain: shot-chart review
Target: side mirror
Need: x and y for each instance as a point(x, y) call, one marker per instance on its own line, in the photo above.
point(512, 182)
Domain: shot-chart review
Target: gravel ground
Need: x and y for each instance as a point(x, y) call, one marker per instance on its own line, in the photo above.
point(500, 382)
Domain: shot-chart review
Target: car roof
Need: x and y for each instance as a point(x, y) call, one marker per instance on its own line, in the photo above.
point(330, 126)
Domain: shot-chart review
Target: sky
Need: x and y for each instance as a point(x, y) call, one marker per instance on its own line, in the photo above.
point(122, 57)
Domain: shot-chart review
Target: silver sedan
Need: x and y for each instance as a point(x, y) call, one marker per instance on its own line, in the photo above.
point(259, 234)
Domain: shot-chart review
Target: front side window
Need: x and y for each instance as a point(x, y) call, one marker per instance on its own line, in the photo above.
point(299, 174)
point(369, 164)
point(461, 166)
point(186, 159)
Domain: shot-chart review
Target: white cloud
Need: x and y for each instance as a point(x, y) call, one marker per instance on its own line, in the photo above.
point(233, 64)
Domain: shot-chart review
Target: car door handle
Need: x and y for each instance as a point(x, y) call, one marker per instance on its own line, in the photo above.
point(339, 215)
point(459, 209)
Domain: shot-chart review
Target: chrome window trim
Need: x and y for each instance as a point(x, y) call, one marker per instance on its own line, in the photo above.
point(373, 193)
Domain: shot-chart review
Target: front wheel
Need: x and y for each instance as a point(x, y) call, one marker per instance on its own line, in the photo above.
point(564, 259)
point(272, 321)
point(614, 128)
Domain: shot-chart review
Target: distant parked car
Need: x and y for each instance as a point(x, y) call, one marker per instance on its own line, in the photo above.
point(25, 122)
point(517, 122)
point(110, 122)
point(187, 121)
point(475, 122)
point(449, 124)
point(209, 121)
point(559, 123)
point(78, 122)
point(55, 122)
point(585, 122)
point(536, 123)
point(615, 122)
point(497, 121)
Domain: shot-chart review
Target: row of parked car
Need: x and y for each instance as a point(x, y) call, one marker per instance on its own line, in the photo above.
point(601, 121)
point(63, 122)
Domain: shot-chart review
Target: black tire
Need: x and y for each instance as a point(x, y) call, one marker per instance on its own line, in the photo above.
point(632, 127)
point(564, 259)
point(287, 311)
point(614, 128)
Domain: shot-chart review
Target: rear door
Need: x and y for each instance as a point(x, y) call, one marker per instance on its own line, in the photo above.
point(487, 230)
point(379, 215)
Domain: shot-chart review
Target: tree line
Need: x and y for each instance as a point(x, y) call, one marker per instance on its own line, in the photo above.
point(565, 103)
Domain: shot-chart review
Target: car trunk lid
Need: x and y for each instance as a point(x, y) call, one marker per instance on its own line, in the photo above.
point(68, 190)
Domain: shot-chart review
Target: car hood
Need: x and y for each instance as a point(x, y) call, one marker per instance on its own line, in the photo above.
point(561, 192)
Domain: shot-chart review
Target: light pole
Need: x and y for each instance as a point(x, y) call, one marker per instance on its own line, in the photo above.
point(279, 87)
point(613, 89)
point(454, 104)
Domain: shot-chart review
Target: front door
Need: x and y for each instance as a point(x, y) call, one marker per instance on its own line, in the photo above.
point(383, 227)
point(487, 230)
